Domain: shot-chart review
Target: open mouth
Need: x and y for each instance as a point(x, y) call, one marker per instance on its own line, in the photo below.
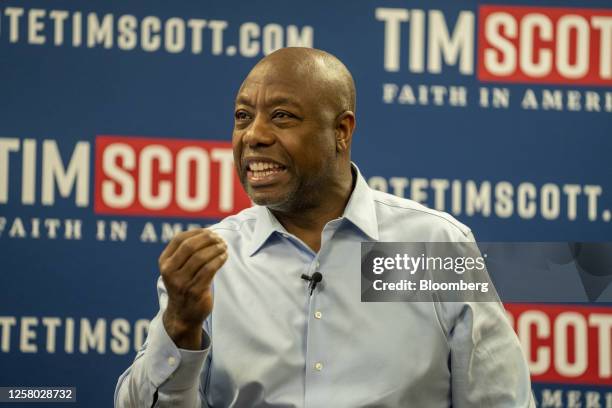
point(261, 172)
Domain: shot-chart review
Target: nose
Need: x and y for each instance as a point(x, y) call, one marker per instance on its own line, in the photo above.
point(259, 133)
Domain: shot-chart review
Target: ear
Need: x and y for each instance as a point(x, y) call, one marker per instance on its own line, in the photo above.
point(345, 125)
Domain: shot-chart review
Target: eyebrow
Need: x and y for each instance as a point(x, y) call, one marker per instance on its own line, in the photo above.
point(279, 100)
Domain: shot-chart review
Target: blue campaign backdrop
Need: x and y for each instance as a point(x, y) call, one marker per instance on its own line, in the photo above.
point(531, 164)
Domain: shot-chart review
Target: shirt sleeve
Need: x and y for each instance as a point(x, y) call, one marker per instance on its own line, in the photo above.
point(488, 368)
point(163, 375)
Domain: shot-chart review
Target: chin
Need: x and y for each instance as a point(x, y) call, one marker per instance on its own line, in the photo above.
point(275, 199)
point(267, 200)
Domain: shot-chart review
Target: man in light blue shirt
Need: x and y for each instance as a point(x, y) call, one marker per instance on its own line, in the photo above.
point(265, 340)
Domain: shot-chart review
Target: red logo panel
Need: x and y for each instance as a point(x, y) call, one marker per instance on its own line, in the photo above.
point(545, 45)
point(166, 177)
point(566, 344)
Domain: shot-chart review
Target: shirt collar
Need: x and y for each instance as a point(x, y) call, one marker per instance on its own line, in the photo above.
point(265, 225)
point(359, 211)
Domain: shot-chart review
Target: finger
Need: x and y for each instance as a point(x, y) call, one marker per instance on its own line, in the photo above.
point(200, 258)
point(190, 246)
point(203, 277)
point(175, 242)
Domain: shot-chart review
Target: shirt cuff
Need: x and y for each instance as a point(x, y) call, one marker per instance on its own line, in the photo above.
point(166, 364)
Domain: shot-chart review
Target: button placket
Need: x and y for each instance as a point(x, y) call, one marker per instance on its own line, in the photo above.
point(316, 358)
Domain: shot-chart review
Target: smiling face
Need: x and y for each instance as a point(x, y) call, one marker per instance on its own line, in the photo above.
point(284, 138)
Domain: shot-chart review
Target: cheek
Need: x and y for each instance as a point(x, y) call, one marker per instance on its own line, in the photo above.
point(328, 144)
point(237, 148)
point(316, 156)
point(309, 151)
point(236, 137)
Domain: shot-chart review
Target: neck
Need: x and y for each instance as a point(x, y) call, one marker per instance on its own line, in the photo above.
point(308, 223)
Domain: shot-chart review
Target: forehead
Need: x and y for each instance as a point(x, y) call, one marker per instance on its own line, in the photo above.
point(269, 86)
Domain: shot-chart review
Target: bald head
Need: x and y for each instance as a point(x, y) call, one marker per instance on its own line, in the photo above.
point(295, 110)
point(317, 69)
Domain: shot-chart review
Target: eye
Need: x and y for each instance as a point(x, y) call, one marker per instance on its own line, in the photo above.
point(282, 115)
point(241, 115)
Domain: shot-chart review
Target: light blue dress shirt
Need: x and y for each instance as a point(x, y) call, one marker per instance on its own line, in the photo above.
point(269, 344)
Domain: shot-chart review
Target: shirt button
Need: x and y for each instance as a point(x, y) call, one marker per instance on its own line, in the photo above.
point(318, 366)
point(318, 315)
point(318, 264)
point(171, 360)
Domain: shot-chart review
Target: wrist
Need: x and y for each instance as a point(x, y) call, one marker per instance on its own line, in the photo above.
point(185, 335)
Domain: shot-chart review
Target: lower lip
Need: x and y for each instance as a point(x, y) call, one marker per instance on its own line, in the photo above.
point(271, 178)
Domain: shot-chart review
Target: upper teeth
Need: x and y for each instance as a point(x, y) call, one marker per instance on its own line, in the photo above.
point(260, 166)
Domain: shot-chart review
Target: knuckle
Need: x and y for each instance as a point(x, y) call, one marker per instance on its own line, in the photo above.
point(204, 269)
point(189, 246)
point(220, 261)
point(209, 235)
point(218, 249)
point(214, 234)
point(163, 268)
point(200, 257)
point(178, 238)
point(215, 265)
point(183, 236)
